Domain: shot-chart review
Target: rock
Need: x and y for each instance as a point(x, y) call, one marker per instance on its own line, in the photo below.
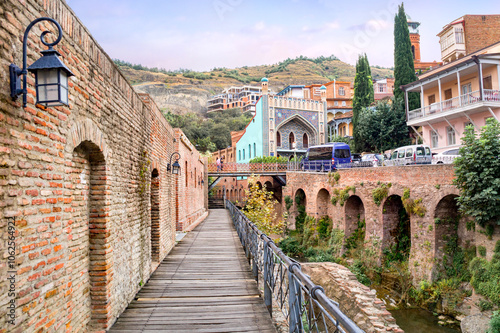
point(478, 323)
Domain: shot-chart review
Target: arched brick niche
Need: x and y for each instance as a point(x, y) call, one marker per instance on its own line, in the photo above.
point(91, 249)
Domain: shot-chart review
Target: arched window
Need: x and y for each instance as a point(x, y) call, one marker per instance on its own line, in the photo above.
point(239, 155)
point(278, 139)
point(305, 141)
point(249, 151)
point(291, 140)
point(413, 51)
point(243, 153)
point(254, 150)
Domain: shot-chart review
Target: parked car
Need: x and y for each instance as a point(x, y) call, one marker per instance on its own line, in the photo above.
point(414, 154)
point(446, 157)
point(372, 160)
point(327, 157)
point(356, 158)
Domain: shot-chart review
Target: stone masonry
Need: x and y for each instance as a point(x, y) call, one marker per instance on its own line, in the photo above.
point(430, 184)
point(85, 186)
point(363, 307)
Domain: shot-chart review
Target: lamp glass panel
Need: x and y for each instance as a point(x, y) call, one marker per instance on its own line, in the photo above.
point(64, 79)
point(48, 93)
point(47, 76)
point(64, 95)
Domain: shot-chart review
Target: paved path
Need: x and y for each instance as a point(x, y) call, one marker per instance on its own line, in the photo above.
point(203, 285)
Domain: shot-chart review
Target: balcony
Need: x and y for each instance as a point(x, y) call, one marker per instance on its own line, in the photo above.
point(469, 103)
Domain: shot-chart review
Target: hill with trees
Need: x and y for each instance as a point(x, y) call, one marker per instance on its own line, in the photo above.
point(183, 90)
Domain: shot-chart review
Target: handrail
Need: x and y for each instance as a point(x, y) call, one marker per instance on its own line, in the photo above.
point(304, 304)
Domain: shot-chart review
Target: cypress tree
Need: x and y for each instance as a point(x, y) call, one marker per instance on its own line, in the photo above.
point(404, 69)
point(363, 96)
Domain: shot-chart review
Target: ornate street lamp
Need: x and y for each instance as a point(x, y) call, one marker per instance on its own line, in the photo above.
point(176, 167)
point(51, 74)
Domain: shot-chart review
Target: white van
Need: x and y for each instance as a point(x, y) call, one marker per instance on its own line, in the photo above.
point(414, 154)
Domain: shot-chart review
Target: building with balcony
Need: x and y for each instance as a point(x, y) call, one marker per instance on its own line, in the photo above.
point(462, 92)
point(235, 97)
point(383, 89)
point(283, 125)
point(468, 34)
point(339, 96)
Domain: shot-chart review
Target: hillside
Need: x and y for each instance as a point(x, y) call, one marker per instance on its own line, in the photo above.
point(186, 91)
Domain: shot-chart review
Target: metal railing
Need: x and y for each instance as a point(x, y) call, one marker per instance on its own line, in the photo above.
point(473, 97)
point(304, 304)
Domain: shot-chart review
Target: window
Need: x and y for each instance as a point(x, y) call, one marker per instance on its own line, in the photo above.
point(254, 150)
point(413, 51)
point(335, 103)
point(434, 139)
point(447, 94)
point(305, 141)
point(278, 139)
point(394, 155)
point(186, 173)
point(239, 155)
point(450, 133)
point(343, 103)
point(459, 35)
point(409, 152)
point(249, 151)
point(243, 153)
point(487, 84)
point(431, 99)
point(341, 91)
point(401, 153)
point(381, 87)
point(291, 140)
point(342, 153)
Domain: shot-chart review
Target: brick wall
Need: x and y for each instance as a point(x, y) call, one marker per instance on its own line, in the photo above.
point(77, 180)
point(430, 183)
point(481, 31)
point(191, 193)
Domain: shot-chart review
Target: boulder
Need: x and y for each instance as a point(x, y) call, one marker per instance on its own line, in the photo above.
point(477, 323)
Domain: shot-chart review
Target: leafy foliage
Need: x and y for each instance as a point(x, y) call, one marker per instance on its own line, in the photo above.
point(404, 69)
point(269, 159)
point(363, 97)
point(259, 208)
point(383, 127)
point(213, 133)
point(486, 276)
point(495, 323)
point(477, 171)
point(380, 193)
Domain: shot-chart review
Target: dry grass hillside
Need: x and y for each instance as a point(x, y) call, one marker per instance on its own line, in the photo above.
point(187, 91)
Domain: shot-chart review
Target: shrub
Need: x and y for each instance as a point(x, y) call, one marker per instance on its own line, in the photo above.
point(482, 250)
point(495, 323)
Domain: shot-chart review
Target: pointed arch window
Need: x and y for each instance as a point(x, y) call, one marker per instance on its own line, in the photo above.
point(305, 141)
point(278, 139)
point(291, 140)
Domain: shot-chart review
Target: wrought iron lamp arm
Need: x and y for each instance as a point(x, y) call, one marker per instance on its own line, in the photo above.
point(16, 70)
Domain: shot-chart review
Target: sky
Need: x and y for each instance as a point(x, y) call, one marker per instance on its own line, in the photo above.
point(201, 35)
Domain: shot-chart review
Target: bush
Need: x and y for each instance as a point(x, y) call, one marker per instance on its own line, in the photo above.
point(324, 227)
point(495, 323)
point(269, 159)
point(291, 247)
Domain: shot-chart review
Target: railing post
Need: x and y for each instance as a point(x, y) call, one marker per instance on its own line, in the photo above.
point(268, 295)
point(294, 303)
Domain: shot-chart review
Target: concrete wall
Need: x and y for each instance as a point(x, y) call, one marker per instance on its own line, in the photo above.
point(75, 182)
point(253, 135)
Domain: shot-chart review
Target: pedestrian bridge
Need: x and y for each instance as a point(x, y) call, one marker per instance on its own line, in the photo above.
point(207, 285)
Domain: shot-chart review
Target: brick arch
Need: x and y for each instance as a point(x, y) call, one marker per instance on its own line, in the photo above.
point(91, 235)
point(86, 130)
point(322, 201)
point(354, 212)
point(391, 210)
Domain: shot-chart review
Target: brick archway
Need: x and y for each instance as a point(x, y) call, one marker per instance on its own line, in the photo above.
point(322, 201)
point(393, 229)
point(354, 212)
point(94, 267)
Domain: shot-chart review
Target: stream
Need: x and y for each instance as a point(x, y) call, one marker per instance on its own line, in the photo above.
point(412, 320)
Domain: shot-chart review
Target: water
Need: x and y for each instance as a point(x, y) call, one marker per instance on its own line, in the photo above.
point(411, 320)
point(418, 321)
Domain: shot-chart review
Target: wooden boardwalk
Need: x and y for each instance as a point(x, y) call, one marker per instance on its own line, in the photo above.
point(203, 285)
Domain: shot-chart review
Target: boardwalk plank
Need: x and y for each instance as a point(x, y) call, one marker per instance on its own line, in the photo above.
point(204, 285)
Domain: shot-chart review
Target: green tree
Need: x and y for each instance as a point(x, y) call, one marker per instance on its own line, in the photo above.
point(259, 208)
point(363, 97)
point(404, 69)
point(383, 127)
point(477, 173)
